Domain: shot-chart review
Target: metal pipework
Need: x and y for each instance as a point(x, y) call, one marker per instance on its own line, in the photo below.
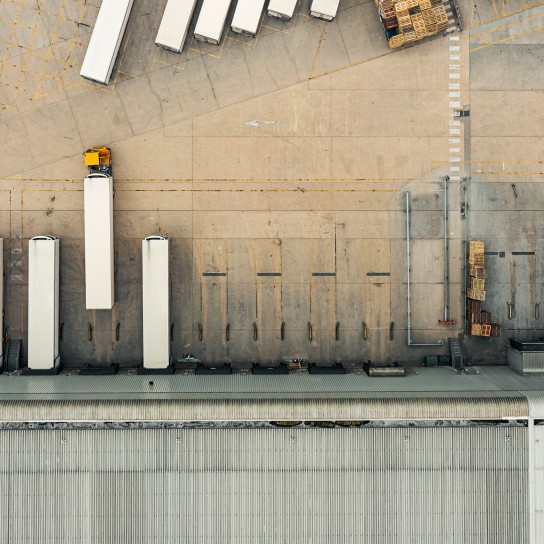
point(310, 332)
point(365, 331)
point(510, 310)
point(446, 254)
point(408, 283)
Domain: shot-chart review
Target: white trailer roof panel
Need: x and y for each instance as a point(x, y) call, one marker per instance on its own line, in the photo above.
point(212, 18)
point(247, 16)
point(327, 8)
point(105, 40)
point(282, 8)
point(43, 302)
point(175, 24)
point(99, 264)
point(156, 302)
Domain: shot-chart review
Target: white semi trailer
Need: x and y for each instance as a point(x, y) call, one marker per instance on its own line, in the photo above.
point(99, 254)
point(156, 302)
point(43, 303)
point(247, 17)
point(211, 20)
point(282, 9)
point(175, 24)
point(105, 40)
point(324, 9)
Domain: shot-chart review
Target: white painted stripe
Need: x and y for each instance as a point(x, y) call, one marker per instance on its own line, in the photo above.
point(455, 178)
point(455, 66)
point(455, 122)
point(455, 131)
point(455, 150)
point(455, 76)
point(455, 140)
point(454, 38)
point(454, 169)
point(455, 57)
point(454, 47)
point(455, 94)
point(455, 104)
point(455, 159)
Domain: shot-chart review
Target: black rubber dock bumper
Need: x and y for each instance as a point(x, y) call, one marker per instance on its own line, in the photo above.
point(212, 370)
point(25, 371)
point(99, 370)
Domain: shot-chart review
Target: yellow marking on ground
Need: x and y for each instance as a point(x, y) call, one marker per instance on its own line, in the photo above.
point(505, 26)
point(358, 63)
point(495, 8)
point(507, 39)
point(536, 4)
point(316, 54)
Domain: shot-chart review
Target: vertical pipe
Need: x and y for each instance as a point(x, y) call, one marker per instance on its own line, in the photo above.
point(408, 294)
point(446, 254)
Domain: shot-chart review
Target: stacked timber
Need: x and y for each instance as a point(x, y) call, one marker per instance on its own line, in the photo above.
point(478, 319)
point(407, 21)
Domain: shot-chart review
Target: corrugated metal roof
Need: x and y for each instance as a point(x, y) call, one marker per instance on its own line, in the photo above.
point(265, 410)
point(535, 403)
point(386, 486)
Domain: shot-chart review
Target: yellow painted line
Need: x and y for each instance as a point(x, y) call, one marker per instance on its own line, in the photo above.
point(495, 8)
point(505, 26)
point(316, 54)
point(506, 14)
point(137, 182)
point(507, 39)
point(359, 63)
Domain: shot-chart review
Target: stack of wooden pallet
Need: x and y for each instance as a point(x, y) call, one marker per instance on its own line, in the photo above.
point(387, 13)
point(412, 19)
point(478, 320)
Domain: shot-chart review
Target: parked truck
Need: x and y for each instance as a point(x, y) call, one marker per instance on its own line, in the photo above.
point(98, 214)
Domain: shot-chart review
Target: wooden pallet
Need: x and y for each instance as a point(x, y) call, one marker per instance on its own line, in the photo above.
point(476, 283)
point(476, 259)
point(476, 294)
point(396, 41)
point(477, 272)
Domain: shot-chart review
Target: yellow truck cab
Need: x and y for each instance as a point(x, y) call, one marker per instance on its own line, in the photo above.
point(98, 160)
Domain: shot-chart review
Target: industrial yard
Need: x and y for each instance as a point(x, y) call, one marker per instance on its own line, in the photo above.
point(281, 163)
point(335, 194)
